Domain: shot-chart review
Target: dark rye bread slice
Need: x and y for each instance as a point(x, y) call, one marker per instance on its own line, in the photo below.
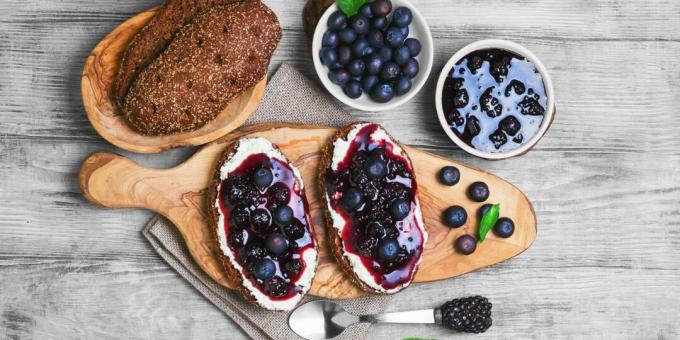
point(335, 241)
point(229, 265)
point(155, 37)
point(221, 53)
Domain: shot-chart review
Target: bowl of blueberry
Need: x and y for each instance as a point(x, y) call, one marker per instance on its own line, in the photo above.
point(374, 56)
point(494, 99)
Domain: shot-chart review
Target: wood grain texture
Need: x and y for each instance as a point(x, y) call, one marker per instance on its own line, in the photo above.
point(180, 195)
point(99, 75)
point(605, 179)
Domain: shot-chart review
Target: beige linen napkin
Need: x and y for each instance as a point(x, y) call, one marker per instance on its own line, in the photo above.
point(289, 97)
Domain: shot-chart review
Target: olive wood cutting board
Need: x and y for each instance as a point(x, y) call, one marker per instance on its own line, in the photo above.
point(99, 74)
point(180, 194)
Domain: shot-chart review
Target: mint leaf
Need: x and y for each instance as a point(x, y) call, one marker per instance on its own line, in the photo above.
point(350, 7)
point(488, 221)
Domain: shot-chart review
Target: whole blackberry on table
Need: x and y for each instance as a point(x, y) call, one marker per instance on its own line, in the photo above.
point(471, 314)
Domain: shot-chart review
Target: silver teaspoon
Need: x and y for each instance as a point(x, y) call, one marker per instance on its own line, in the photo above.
point(324, 319)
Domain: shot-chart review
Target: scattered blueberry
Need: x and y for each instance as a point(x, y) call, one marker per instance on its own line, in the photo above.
point(276, 243)
point(330, 39)
point(263, 178)
point(379, 23)
point(504, 227)
point(400, 208)
point(283, 215)
point(347, 35)
point(264, 269)
point(411, 68)
point(376, 168)
point(351, 199)
point(466, 244)
point(478, 191)
point(339, 77)
point(402, 17)
point(381, 8)
point(376, 39)
point(413, 45)
point(388, 249)
point(402, 55)
point(394, 37)
point(483, 210)
point(390, 71)
point(337, 20)
point(455, 216)
point(356, 67)
point(360, 24)
point(352, 89)
point(449, 175)
point(382, 93)
point(403, 85)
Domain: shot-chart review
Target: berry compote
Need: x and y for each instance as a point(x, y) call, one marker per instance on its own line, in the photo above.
point(382, 228)
point(494, 100)
point(265, 211)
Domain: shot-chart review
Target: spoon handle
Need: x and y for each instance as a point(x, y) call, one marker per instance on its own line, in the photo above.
point(416, 316)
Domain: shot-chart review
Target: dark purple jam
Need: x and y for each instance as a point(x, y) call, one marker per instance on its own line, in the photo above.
point(372, 225)
point(249, 212)
point(494, 100)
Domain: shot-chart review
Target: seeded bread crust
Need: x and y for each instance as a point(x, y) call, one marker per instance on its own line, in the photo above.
point(221, 52)
point(335, 241)
point(232, 272)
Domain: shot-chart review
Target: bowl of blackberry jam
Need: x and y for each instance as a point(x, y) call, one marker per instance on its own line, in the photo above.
point(374, 56)
point(494, 99)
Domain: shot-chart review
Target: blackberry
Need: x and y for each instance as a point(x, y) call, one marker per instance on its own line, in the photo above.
point(279, 193)
point(294, 230)
point(490, 104)
point(471, 314)
point(276, 287)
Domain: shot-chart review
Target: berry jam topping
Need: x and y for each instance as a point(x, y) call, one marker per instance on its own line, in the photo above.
point(492, 99)
point(373, 189)
point(267, 227)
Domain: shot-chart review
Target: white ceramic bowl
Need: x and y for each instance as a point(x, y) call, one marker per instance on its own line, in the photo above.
point(418, 29)
point(512, 47)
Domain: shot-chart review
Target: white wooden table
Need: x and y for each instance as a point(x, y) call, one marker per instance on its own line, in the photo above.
point(605, 180)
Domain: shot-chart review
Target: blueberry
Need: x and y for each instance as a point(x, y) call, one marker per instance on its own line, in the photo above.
point(510, 125)
point(390, 71)
point(263, 178)
point(399, 208)
point(504, 227)
point(394, 37)
point(330, 39)
point(449, 175)
point(376, 168)
point(413, 46)
point(360, 48)
point(360, 24)
point(283, 215)
point(351, 199)
point(366, 10)
point(264, 269)
point(344, 54)
point(379, 23)
point(339, 77)
point(402, 55)
point(403, 85)
point(404, 31)
point(337, 20)
point(385, 54)
point(369, 50)
point(381, 8)
point(498, 138)
point(483, 210)
point(466, 244)
point(352, 89)
point(347, 35)
point(402, 17)
point(373, 64)
point(478, 191)
point(388, 249)
point(411, 68)
point(335, 66)
point(369, 82)
point(260, 220)
point(328, 56)
point(382, 93)
point(356, 67)
point(375, 39)
point(276, 243)
point(454, 216)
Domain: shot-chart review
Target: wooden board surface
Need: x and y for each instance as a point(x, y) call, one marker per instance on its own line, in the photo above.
point(604, 180)
point(180, 195)
point(99, 74)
